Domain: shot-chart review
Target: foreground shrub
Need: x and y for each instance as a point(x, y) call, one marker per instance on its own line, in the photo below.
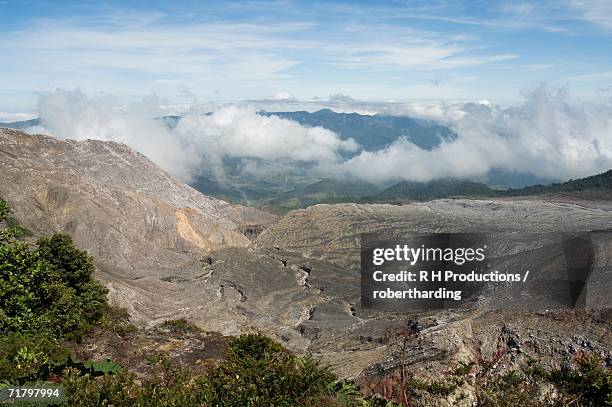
point(117, 320)
point(587, 383)
point(180, 326)
point(47, 289)
point(260, 372)
point(30, 358)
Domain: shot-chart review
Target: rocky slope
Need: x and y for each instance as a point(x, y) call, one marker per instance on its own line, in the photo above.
point(143, 227)
point(326, 236)
point(332, 232)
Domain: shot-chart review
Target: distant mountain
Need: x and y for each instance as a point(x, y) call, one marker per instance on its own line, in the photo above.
point(596, 186)
point(600, 183)
point(499, 178)
point(21, 125)
point(337, 188)
point(373, 132)
point(170, 121)
point(443, 188)
point(299, 188)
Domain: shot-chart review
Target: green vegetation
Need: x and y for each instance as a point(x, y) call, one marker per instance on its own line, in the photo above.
point(117, 320)
point(598, 187)
point(293, 191)
point(30, 358)
point(46, 294)
point(595, 187)
point(347, 394)
point(595, 183)
point(590, 383)
point(439, 388)
point(443, 188)
point(283, 193)
point(180, 326)
point(260, 372)
point(257, 372)
point(47, 289)
point(586, 382)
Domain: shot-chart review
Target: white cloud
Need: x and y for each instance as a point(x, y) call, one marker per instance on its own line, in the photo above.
point(549, 135)
point(14, 117)
point(134, 59)
point(595, 11)
point(240, 132)
point(415, 54)
point(598, 76)
point(199, 140)
point(282, 96)
point(130, 55)
point(72, 115)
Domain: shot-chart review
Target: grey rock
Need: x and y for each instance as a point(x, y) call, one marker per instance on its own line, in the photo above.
point(145, 229)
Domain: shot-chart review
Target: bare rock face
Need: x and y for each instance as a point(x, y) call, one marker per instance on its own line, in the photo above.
point(351, 338)
point(140, 224)
point(332, 232)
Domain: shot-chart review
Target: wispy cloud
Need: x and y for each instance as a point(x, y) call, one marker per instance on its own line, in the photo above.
point(242, 50)
point(414, 53)
point(596, 76)
point(223, 50)
point(176, 49)
point(114, 51)
point(598, 12)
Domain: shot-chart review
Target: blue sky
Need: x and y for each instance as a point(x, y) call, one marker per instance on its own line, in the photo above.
point(185, 51)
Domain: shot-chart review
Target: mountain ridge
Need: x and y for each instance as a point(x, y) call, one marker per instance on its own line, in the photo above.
point(597, 186)
point(372, 132)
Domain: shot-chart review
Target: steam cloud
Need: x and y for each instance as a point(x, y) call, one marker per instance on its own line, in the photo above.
point(549, 134)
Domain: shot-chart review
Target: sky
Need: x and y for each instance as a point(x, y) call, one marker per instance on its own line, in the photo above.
point(217, 51)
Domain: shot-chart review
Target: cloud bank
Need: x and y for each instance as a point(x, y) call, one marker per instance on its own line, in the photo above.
point(549, 135)
point(198, 141)
point(73, 115)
